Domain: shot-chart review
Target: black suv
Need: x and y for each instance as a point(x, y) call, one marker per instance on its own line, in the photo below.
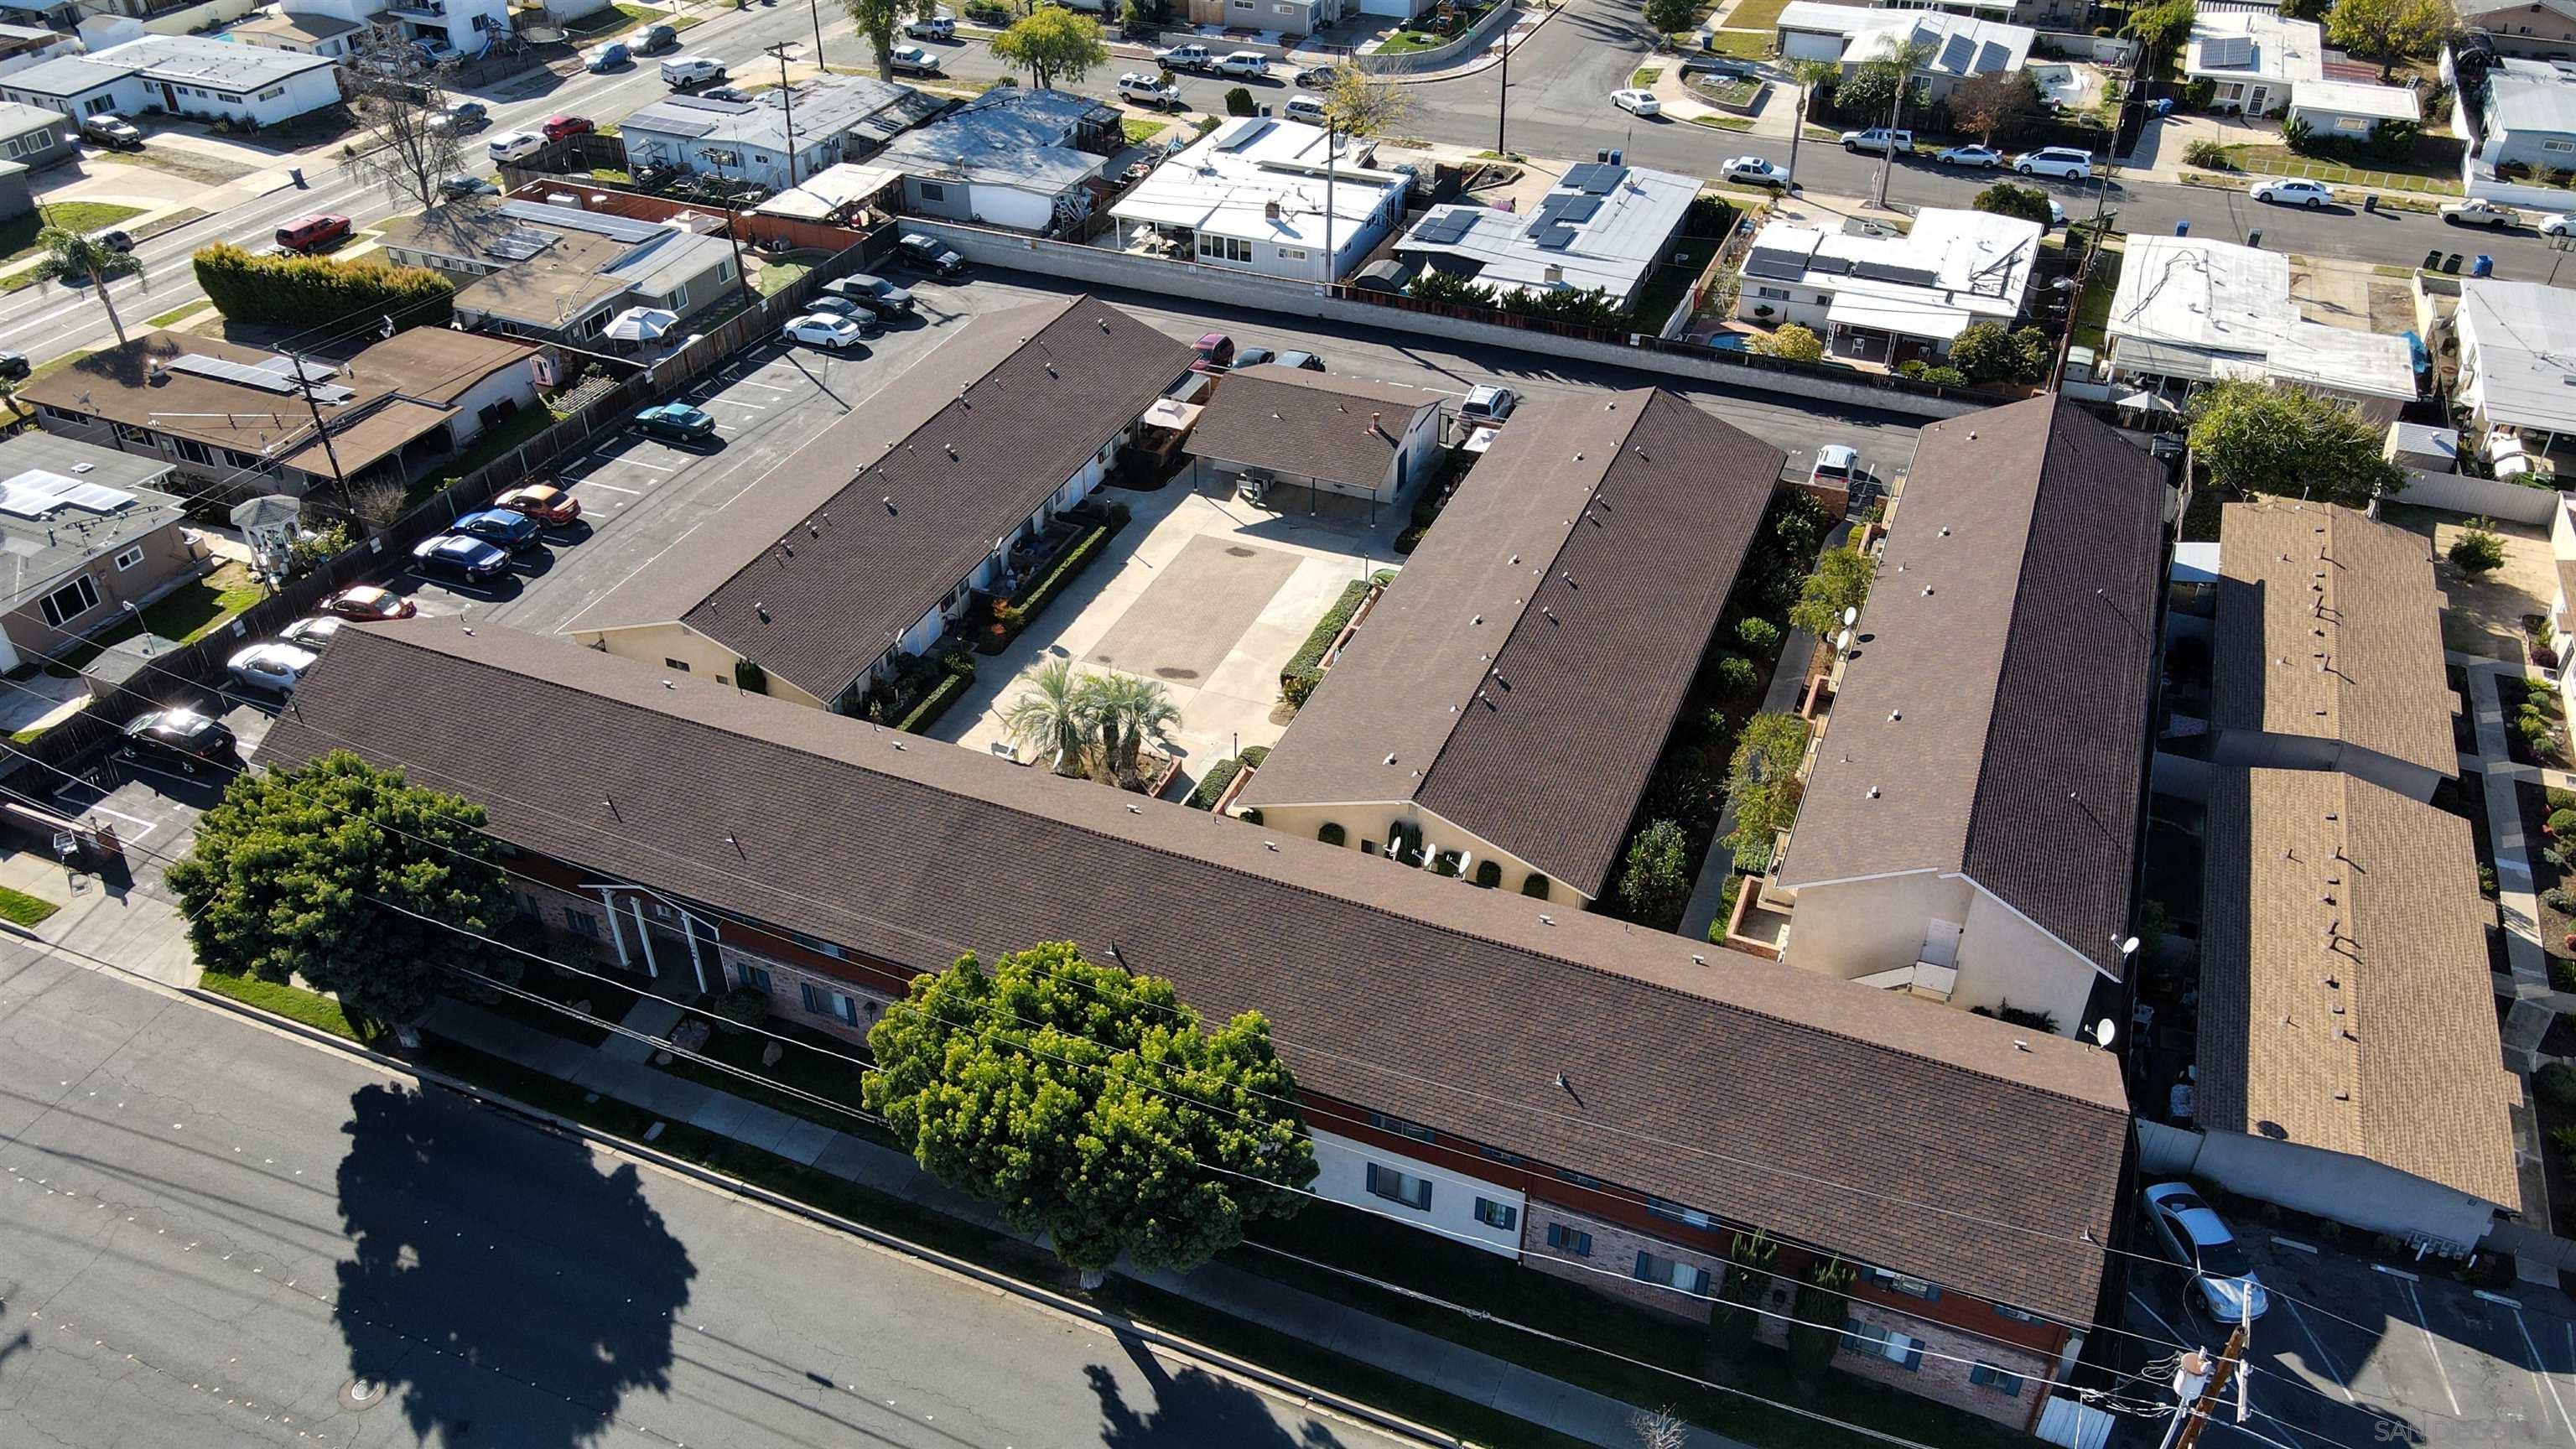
point(180, 738)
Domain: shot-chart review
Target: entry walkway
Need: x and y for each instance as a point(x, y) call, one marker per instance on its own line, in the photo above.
point(1434, 1362)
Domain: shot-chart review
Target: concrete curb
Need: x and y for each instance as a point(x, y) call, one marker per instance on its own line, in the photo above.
point(1306, 1395)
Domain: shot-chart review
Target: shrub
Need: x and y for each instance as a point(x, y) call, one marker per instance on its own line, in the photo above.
point(2559, 799)
point(2478, 551)
point(1759, 635)
point(1655, 884)
point(750, 678)
point(1250, 817)
point(744, 1006)
point(2560, 822)
point(2557, 899)
point(1445, 863)
point(312, 550)
point(1331, 833)
point(1792, 341)
point(2006, 198)
point(1212, 784)
point(2564, 1139)
point(1535, 887)
point(1736, 676)
point(2555, 1084)
point(1727, 895)
point(1238, 102)
point(1305, 668)
point(2209, 155)
point(2562, 973)
point(295, 289)
point(2544, 656)
point(1488, 874)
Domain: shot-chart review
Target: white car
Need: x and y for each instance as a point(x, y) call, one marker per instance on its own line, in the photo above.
point(514, 145)
point(1306, 108)
point(1186, 57)
point(1755, 170)
point(1637, 103)
point(2063, 162)
point(1977, 156)
point(1487, 403)
point(315, 633)
point(1836, 466)
point(272, 666)
point(1144, 88)
point(2291, 192)
point(2559, 224)
point(2194, 1235)
point(2479, 213)
point(913, 60)
point(824, 329)
point(937, 27)
point(1245, 63)
point(1877, 138)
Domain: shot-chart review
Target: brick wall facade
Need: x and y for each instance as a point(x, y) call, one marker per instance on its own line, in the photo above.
point(1612, 1265)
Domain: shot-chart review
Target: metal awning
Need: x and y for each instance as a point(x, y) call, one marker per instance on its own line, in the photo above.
point(1904, 316)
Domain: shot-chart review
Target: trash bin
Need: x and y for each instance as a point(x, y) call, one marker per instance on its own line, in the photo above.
point(2183, 227)
point(296, 174)
point(2484, 266)
point(2254, 238)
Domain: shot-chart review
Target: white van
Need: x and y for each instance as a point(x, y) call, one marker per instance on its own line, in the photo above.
point(1306, 108)
point(691, 70)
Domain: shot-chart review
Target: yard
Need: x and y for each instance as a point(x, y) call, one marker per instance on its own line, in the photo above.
point(2431, 174)
point(1139, 130)
point(1762, 15)
point(1731, 91)
point(18, 233)
point(618, 17)
point(2093, 315)
point(184, 615)
point(496, 440)
point(2484, 615)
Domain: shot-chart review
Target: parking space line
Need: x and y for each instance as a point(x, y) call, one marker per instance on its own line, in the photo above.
point(611, 487)
point(656, 467)
point(763, 386)
point(2540, 1371)
point(2334, 1371)
point(735, 402)
point(148, 826)
point(2431, 1346)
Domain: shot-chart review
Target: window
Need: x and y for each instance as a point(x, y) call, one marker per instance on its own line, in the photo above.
point(1569, 1240)
point(61, 415)
point(1399, 1187)
point(1402, 1128)
point(583, 923)
point(1772, 294)
point(837, 1004)
point(1864, 1339)
point(239, 460)
point(70, 601)
point(681, 665)
point(1497, 1214)
point(1578, 1179)
point(1651, 1269)
point(1291, 254)
point(273, 92)
point(755, 977)
point(1513, 1159)
point(2558, 145)
point(1674, 1212)
point(228, 100)
point(98, 105)
point(1987, 1376)
point(818, 947)
point(811, 997)
point(193, 451)
point(933, 191)
point(15, 150)
point(1224, 248)
point(2017, 1315)
point(679, 296)
point(129, 558)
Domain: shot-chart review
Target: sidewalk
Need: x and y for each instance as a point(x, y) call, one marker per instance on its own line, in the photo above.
point(1435, 1362)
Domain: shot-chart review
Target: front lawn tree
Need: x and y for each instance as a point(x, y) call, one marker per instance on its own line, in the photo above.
point(2389, 31)
point(2256, 437)
point(1052, 44)
point(2007, 198)
point(1668, 17)
point(1357, 103)
point(2002, 101)
point(352, 879)
point(877, 21)
point(70, 256)
point(1091, 1106)
point(394, 98)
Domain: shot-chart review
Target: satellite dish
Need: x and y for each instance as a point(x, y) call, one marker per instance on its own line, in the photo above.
point(1851, 615)
point(2128, 947)
point(2104, 1030)
point(1842, 641)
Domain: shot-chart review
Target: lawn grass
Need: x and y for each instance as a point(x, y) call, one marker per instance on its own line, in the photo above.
point(192, 613)
point(1141, 131)
point(611, 174)
point(2411, 175)
point(18, 233)
point(2093, 315)
point(1762, 15)
point(23, 909)
point(1645, 76)
point(496, 440)
point(775, 276)
point(1404, 40)
point(1724, 123)
point(618, 17)
point(1671, 281)
point(175, 313)
point(292, 1002)
point(1739, 44)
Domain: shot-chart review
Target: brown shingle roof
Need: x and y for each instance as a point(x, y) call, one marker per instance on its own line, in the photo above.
point(2305, 586)
point(435, 364)
point(1524, 668)
point(2334, 906)
point(1996, 702)
point(890, 506)
point(1291, 421)
point(1727, 1085)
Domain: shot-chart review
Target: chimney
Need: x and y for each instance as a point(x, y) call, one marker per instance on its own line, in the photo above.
point(1555, 274)
point(1270, 210)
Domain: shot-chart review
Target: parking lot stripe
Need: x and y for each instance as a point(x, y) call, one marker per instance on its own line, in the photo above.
point(2430, 1345)
point(2393, 1272)
point(2334, 1371)
point(148, 826)
point(611, 487)
point(2295, 1244)
point(763, 386)
point(739, 403)
point(656, 467)
point(2541, 1372)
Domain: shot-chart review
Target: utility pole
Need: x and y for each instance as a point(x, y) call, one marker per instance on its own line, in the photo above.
point(1503, 101)
point(2199, 1386)
point(1332, 154)
point(816, 8)
point(787, 94)
point(304, 385)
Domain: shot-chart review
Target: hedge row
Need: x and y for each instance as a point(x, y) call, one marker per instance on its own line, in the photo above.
point(1304, 669)
point(935, 703)
point(1026, 606)
point(1212, 785)
point(291, 290)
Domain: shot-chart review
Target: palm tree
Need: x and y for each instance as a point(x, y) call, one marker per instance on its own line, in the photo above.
point(1053, 715)
point(1128, 711)
point(69, 256)
point(1810, 75)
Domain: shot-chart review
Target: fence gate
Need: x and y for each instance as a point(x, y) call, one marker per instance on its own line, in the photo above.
point(2073, 1425)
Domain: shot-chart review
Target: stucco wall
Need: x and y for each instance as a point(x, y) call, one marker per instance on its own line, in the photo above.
point(516, 384)
point(1872, 925)
point(2257, 749)
point(2004, 959)
point(1366, 823)
point(1341, 1173)
point(167, 560)
point(658, 644)
point(2340, 1186)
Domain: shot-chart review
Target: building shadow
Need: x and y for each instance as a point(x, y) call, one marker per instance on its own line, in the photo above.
point(1191, 1410)
point(503, 1288)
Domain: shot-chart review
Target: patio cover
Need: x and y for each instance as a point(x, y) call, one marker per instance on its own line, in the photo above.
point(1906, 315)
point(1173, 413)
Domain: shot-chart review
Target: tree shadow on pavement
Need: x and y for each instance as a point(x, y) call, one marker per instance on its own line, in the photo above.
point(1191, 1410)
point(504, 1289)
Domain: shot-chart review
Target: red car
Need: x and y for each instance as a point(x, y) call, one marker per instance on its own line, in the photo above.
point(543, 502)
point(307, 232)
point(558, 127)
point(1215, 350)
point(367, 601)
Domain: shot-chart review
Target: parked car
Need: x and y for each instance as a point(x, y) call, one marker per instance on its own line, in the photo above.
point(1488, 404)
point(2561, 223)
point(315, 633)
point(305, 233)
point(458, 119)
point(1192, 56)
point(833, 306)
point(1755, 170)
point(559, 126)
point(1637, 102)
point(514, 145)
point(937, 27)
point(914, 60)
point(117, 241)
point(503, 527)
point(822, 329)
point(1252, 357)
point(1145, 88)
point(2223, 1280)
point(607, 57)
point(111, 130)
point(543, 502)
point(459, 558)
point(1300, 361)
point(2479, 213)
point(930, 254)
point(1877, 138)
point(1249, 64)
point(677, 421)
point(1215, 353)
point(369, 601)
point(1314, 77)
point(2290, 192)
point(272, 666)
point(181, 738)
point(464, 185)
point(2063, 162)
point(656, 39)
point(1836, 466)
point(1979, 157)
point(683, 71)
point(725, 93)
point(874, 293)
point(1306, 108)
point(14, 367)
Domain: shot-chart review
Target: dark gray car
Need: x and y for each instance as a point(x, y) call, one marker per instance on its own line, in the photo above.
point(874, 293)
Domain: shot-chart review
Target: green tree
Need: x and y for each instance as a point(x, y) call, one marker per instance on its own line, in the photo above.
point(2002, 101)
point(1239, 102)
point(2389, 31)
point(1091, 1106)
point(2006, 198)
point(1669, 16)
point(2259, 438)
point(1053, 717)
point(1053, 44)
point(1434, 285)
point(878, 21)
point(1735, 1326)
point(292, 290)
point(1986, 353)
point(2479, 550)
point(1655, 884)
point(1792, 340)
point(1360, 104)
point(350, 878)
point(1840, 581)
point(2159, 30)
point(1812, 76)
point(1126, 711)
point(1762, 784)
point(70, 256)
point(1821, 1312)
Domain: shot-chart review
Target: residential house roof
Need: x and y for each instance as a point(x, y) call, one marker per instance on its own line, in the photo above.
point(296, 25)
point(1959, 45)
point(499, 230)
point(1012, 137)
point(2529, 96)
point(2345, 1002)
point(1954, 268)
point(822, 195)
point(181, 59)
point(1339, 429)
point(2197, 309)
point(552, 289)
point(888, 508)
point(19, 120)
point(1265, 180)
point(1992, 719)
point(2521, 341)
point(826, 108)
point(2330, 627)
point(1588, 1044)
point(65, 504)
point(1600, 226)
point(2255, 45)
point(1520, 675)
point(2354, 98)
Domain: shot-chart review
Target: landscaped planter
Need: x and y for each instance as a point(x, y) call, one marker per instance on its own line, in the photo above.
point(1025, 607)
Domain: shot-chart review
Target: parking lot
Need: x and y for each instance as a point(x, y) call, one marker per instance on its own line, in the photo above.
point(2353, 1353)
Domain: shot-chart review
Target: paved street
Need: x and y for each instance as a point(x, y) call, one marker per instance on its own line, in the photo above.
point(211, 1235)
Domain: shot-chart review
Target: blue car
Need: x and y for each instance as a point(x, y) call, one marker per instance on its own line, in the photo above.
point(505, 527)
point(677, 421)
point(460, 558)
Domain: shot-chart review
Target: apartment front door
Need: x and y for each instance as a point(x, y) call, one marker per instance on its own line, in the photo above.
point(1941, 943)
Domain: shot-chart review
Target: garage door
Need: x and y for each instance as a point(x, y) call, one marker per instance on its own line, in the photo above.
point(1810, 45)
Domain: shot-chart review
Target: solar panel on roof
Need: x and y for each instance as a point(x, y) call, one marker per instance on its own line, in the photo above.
point(37, 493)
point(1777, 265)
point(1957, 54)
point(1557, 237)
point(2227, 52)
point(1595, 177)
point(519, 243)
point(263, 378)
point(1444, 229)
point(1831, 266)
point(1580, 208)
point(1891, 272)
